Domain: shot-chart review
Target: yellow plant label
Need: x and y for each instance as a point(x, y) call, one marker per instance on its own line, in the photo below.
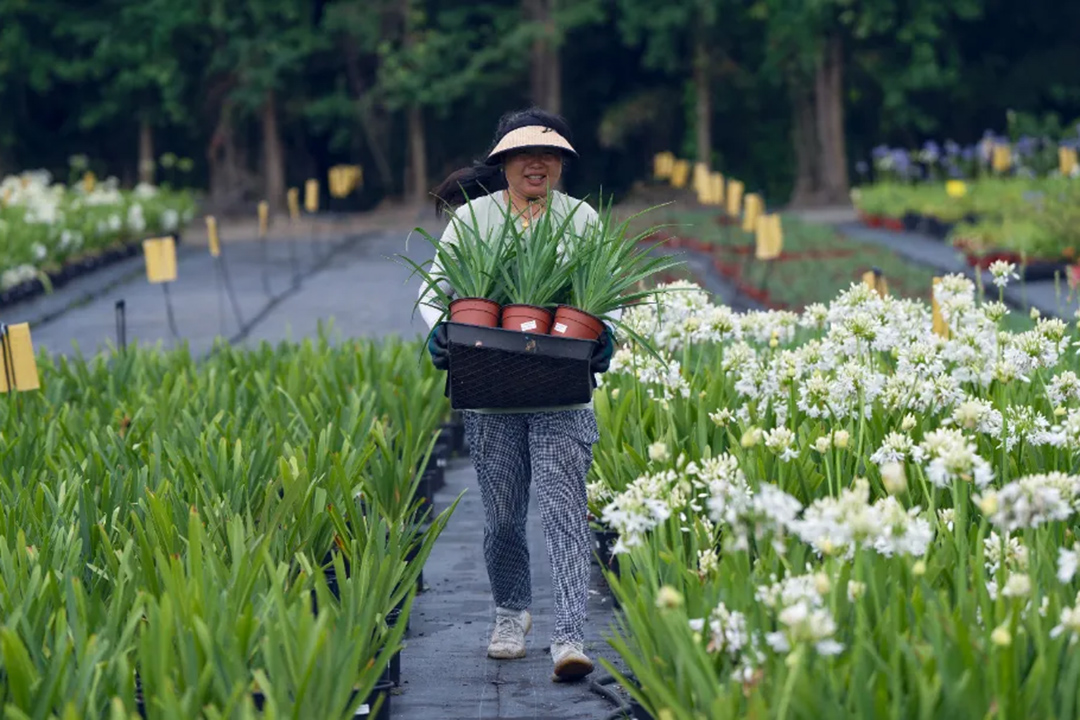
point(1067, 160)
point(5, 198)
point(752, 207)
point(89, 182)
point(160, 259)
point(701, 177)
point(293, 198)
point(768, 238)
point(680, 173)
point(663, 164)
point(1002, 158)
point(940, 327)
point(876, 282)
point(264, 218)
point(716, 194)
point(311, 196)
point(956, 188)
point(18, 367)
point(212, 236)
point(734, 197)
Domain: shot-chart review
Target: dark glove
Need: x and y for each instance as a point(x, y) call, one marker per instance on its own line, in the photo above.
point(601, 356)
point(439, 347)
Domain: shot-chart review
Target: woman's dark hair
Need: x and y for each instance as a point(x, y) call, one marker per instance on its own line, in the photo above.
point(484, 178)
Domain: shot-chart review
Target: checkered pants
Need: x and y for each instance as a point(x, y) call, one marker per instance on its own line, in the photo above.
point(553, 451)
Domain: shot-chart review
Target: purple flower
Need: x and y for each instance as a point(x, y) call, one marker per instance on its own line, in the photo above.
point(879, 152)
point(861, 167)
point(1026, 146)
point(968, 153)
point(952, 147)
point(954, 172)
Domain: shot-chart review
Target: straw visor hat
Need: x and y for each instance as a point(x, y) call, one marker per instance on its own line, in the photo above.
point(530, 136)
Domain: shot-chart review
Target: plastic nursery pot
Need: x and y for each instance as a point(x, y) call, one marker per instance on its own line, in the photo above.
point(385, 689)
point(475, 311)
point(526, 318)
point(573, 323)
point(894, 224)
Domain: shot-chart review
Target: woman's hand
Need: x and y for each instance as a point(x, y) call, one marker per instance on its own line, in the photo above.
point(439, 348)
point(601, 356)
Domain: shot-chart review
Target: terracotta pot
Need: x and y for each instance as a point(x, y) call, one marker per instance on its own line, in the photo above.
point(526, 318)
point(573, 323)
point(894, 224)
point(475, 311)
point(874, 221)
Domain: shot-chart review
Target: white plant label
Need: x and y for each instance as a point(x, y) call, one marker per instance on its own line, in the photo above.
point(362, 711)
point(530, 325)
point(560, 328)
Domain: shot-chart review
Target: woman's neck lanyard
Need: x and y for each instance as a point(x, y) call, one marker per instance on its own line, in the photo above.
point(526, 220)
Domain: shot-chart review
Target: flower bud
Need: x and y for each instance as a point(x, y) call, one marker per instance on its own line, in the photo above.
point(658, 451)
point(988, 503)
point(908, 423)
point(822, 584)
point(751, 437)
point(919, 568)
point(841, 438)
point(894, 477)
point(668, 598)
point(1001, 636)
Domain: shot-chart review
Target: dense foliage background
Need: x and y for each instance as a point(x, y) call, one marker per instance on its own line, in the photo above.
point(259, 94)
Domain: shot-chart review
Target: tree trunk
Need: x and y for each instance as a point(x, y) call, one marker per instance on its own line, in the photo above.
point(229, 181)
point(805, 142)
point(363, 114)
point(829, 103)
point(146, 152)
point(418, 174)
point(703, 101)
point(545, 69)
point(552, 61)
point(273, 156)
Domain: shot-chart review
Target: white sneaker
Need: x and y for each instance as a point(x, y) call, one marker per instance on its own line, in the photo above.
point(508, 638)
point(571, 662)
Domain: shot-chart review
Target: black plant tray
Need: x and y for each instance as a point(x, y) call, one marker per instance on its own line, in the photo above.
point(72, 270)
point(494, 368)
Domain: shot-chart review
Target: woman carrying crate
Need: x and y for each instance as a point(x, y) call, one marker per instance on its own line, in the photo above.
point(548, 448)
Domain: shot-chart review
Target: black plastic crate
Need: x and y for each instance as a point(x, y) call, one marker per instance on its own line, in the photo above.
point(495, 368)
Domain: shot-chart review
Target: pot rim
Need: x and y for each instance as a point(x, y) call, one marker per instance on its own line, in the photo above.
point(527, 305)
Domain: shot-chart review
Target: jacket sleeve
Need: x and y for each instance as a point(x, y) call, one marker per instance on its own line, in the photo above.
point(430, 310)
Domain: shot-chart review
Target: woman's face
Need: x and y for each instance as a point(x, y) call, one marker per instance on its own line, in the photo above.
point(531, 172)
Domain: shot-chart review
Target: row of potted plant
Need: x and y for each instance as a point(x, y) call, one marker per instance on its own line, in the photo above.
point(225, 538)
point(544, 278)
point(1024, 220)
point(50, 232)
point(843, 512)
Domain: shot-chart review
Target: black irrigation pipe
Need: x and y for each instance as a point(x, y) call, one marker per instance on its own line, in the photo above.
point(347, 242)
point(598, 686)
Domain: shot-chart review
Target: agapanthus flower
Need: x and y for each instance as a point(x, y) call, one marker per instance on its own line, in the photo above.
point(1035, 500)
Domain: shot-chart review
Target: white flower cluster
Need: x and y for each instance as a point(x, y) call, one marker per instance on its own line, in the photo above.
point(680, 315)
point(642, 506)
point(802, 615)
point(727, 629)
point(834, 526)
point(949, 456)
point(665, 377)
point(1033, 500)
point(1069, 622)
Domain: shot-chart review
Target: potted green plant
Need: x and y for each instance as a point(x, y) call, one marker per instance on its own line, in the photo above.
point(535, 272)
point(463, 278)
point(608, 270)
